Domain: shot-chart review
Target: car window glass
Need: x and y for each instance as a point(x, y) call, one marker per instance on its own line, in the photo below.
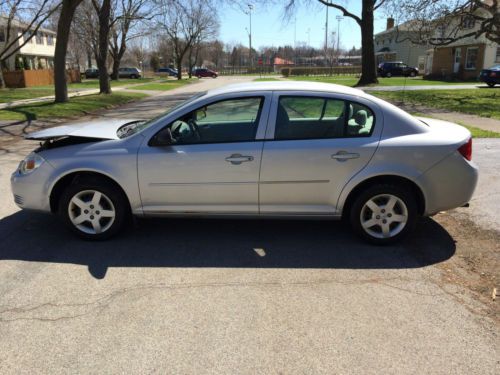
point(317, 118)
point(234, 120)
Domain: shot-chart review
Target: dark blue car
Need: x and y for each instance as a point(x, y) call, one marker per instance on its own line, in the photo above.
point(170, 71)
point(490, 76)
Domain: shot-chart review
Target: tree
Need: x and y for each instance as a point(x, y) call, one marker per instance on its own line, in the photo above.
point(103, 11)
point(440, 22)
point(68, 8)
point(127, 13)
point(185, 22)
point(365, 22)
point(22, 19)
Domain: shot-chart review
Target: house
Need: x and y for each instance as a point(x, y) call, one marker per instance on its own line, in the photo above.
point(463, 58)
point(395, 44)
point(38, 53)
point(279, 63)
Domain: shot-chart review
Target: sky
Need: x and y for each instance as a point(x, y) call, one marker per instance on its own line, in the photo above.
point(268, 29)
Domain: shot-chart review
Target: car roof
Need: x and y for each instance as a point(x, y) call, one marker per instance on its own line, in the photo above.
point(286, 86)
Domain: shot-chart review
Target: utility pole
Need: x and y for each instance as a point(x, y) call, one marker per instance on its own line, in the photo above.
point(250, 8)
point(339, 18)
point(326, 29)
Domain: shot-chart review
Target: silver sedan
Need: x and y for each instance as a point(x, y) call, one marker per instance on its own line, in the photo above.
point(268, 149)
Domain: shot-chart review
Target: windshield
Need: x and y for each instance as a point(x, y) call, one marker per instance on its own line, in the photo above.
point(135, 127)
point(495, 67)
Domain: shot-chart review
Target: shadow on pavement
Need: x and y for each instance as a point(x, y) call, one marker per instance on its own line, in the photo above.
point(219, 243)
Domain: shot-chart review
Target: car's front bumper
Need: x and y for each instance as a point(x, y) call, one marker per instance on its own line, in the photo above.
point(31, 191)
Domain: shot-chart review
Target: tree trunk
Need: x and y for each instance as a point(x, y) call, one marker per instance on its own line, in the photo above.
point(63, 26)
point(179, 68)
point(2, 81)
point(116, 66)
point(368, 66)
point(104, 17)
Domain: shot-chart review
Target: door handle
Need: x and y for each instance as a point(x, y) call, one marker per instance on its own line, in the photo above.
point(237, 159)
point(344, 155)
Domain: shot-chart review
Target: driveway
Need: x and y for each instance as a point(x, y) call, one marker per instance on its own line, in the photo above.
point(246, 296)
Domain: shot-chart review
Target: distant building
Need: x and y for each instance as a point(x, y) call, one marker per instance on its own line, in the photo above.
point(38, 53)
point(279, 63)
point(395, 44)
point(465, 57)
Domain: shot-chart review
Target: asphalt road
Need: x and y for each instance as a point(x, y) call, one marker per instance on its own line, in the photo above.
point(234, 296)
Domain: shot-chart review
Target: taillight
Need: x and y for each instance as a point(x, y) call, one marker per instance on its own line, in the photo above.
point(466, 150)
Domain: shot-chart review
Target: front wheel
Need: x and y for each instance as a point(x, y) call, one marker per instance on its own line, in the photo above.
point(94, 210)
point(413, 74)
point(388, 75)
point(383, 214)
point(491, 84)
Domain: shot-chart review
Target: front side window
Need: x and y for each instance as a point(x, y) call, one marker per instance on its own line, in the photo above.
point(471, 58)
point(234, 120)
point(317, 118)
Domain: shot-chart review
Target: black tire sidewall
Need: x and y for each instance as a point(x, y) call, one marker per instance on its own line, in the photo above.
point(115, 195)
point(403, 193)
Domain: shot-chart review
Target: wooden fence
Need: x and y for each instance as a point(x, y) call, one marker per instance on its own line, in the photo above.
point(40, 77)
point(321, 71)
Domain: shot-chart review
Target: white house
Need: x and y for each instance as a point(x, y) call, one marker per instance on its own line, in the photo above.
point(395, 44)
point(38, 53)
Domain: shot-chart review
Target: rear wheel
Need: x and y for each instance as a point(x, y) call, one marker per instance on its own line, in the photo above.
point(94, 210)
point(383, 214)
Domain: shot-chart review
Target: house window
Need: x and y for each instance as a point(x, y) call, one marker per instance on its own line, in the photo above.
point(26, 36)
point(50, 39)
point(2, 35)
point(39, 38)
point(468, 22)
point(497, 59)
point(471, 58)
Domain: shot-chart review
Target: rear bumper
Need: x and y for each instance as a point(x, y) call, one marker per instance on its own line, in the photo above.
point(448, 184)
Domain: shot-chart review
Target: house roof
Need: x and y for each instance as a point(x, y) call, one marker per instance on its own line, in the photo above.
point(20, 24)
point(405, 26)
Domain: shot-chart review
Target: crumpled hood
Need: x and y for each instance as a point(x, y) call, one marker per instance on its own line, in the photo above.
point(101, 128)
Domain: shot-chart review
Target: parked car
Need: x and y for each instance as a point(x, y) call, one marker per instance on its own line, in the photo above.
point(203, 72)
point(129, 73)
point(490, 76)
point(396, 68)
point(170, 71)
point(92, 73)
point(280, 149)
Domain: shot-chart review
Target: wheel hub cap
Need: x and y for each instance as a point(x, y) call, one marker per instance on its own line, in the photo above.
point(91, 211)
point(384, 216)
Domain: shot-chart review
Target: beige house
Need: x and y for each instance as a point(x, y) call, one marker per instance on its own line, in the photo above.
point(38, 53)
point(395, 44)
point(463, 58)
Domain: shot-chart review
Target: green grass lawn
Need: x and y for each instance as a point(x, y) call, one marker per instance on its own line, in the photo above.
point(481, 102)
point(265, 79)
point(164, 85)
point(94, 83)
point(75, 107)
point(10, 95)
point(349, 80)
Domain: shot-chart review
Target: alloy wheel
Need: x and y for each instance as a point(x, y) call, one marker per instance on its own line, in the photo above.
point(91, 212)
point(384, 216)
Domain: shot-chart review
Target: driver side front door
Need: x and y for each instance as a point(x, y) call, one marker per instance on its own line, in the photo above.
point(213, 166)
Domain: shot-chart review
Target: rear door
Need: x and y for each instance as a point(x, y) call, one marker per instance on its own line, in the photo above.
point(314, 145)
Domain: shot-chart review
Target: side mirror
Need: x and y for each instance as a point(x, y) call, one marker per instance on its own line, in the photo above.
point(163, 138)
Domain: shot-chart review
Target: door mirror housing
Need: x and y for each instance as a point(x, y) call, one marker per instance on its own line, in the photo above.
point(163, 138)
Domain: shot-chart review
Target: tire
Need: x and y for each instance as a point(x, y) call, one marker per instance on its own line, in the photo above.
point(369, 216)
point(214, 76)
point(413, 74)
point(133, 76)
point(388, 75)
point(490, 84)
point(97, 198)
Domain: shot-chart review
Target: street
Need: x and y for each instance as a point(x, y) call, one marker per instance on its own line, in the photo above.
point(246, 296)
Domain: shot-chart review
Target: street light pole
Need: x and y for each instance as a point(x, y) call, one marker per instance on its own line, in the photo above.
point(250, 8)
point(339, 18)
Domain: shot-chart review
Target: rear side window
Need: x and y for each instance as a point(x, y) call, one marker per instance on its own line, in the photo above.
point(318, 118)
